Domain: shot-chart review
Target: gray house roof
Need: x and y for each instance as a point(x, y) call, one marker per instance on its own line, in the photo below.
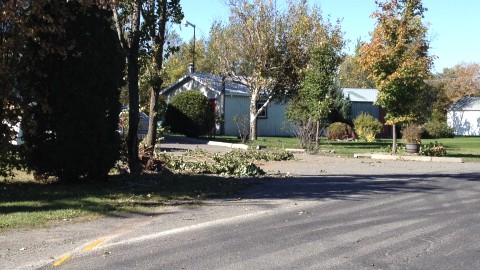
point(361, 95)
point(212, 82)
point(466, 104)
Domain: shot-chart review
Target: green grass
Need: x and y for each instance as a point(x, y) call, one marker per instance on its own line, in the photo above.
point(25, 203)
point(467, 148)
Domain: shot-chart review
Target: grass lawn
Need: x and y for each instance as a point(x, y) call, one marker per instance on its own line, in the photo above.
point(467, 148)
point(25, 203)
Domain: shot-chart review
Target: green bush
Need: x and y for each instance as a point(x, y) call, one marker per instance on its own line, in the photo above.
point(190, 113)
point(339, 131)
point(367, 127)
point(437, 129)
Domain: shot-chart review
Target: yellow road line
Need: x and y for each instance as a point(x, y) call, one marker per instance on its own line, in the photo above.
point(93, 244)
point(62, 260)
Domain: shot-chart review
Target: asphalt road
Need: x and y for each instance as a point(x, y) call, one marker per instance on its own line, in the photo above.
point(329, 213)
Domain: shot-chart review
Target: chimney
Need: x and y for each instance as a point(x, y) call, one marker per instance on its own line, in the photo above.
point(191, 69)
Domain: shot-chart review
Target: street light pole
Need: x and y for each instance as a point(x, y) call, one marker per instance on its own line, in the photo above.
point(186, 24)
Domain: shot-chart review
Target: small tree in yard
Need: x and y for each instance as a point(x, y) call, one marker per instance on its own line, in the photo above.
point(310, 108)
point(397, 60)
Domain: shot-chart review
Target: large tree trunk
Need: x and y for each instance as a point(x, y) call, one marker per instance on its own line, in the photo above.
point(153, 118)
point(133, 107)
point(159, 42)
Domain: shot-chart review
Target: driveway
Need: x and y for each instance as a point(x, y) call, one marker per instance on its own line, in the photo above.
point(319, 213)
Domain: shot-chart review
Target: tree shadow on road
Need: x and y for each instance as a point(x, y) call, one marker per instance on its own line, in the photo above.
point(331, 186)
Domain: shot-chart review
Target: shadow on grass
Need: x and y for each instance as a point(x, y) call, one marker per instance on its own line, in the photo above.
point(140, 195)
point(119, 195)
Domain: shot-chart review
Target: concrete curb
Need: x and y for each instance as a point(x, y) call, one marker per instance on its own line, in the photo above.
point(229, 145)
point(409, 158)
point(294, 150)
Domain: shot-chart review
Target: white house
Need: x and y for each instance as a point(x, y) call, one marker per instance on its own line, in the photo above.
point(234, 100)
point(464, 116)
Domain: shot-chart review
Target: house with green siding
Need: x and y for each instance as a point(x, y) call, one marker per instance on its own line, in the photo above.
point(232, 100)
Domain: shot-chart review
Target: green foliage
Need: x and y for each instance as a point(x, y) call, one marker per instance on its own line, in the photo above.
point(161, 107)
point(269, 50)
point(436, 129)
point(233, 163)
point(433, 149)
point(318, 95)
point(339, 131)
point(367, 127)
point(397, 58)
point(341, 107)
point(190, 113)
point(176, 66)
point(72, 107)
point(412, 133)
point(350, 72)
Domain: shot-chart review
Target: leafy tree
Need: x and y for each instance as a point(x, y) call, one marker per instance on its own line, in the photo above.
point(142, 30)
point(266, 49)
point(127, 15)
point(460, 81)
point(397, 59)
point(350, 72)
point(15, 29)
point(176, 66)
point(10, 51)
point(70, 92)
point(157, 14)
point(314, 101)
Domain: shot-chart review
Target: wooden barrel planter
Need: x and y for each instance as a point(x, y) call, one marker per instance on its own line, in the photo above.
point(412, 148)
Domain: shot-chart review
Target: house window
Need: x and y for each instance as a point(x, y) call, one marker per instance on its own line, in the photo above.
point(264, 113)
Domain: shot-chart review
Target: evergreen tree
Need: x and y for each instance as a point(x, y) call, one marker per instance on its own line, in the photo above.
point(71, 93)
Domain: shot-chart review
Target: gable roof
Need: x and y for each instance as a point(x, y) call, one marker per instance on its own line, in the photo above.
point(361, 95)
point(469, 103)
point(212, 82)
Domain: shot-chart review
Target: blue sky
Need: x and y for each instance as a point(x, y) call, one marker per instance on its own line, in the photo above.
point(454, 25)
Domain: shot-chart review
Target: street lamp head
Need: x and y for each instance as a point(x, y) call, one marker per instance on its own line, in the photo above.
point(187, 23)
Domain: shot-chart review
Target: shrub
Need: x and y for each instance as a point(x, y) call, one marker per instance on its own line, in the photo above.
point(243, 127)
point(339, 131)
point(412, 133)
point(433, 149)
point(437, 129)
point(190, 113)
point(367, 127)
